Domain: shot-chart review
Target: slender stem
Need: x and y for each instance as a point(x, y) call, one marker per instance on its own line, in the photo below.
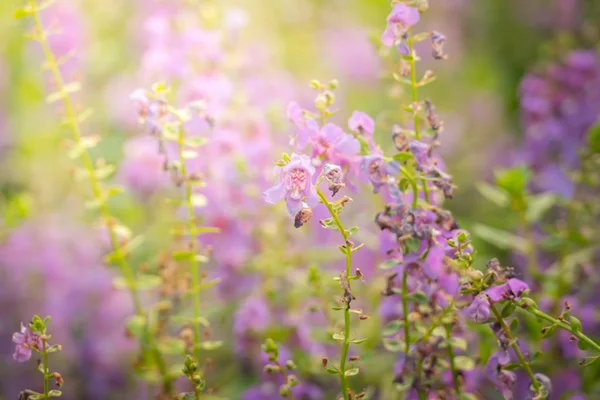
point(413, 184)
point(413, 84)
point(46, 369)
point(284, 376)
point(346, 344)
point(579, 335)
point(513, 343)
point(451, 358)
point(438, 321)
point(420, 392)
point(192, 246)
point(99, 197)
point(405, 314)
point(416, 119)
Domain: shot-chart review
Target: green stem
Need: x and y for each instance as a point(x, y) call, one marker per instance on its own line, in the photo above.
point(99, 197)
point(420, 392)
point(192, 246)
point(438, 321)
point(413, 184)
point(579, 335)
point(46, 369)
point(513, 343)
point(346, 344)
point(405, 314)
point(416, 119)
point(451, 358)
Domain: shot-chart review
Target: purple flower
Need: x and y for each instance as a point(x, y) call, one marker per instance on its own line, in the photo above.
point(294, 184)
point(512, 289)
point(503, 380)
point(420, 152)
point(400, 19)
point(362, 123)
point(381, 173)
point(479, 310)
point(24, 341)
point(307, 127)
point(334, 145)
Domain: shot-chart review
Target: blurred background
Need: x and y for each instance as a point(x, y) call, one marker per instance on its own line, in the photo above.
point(267, 52)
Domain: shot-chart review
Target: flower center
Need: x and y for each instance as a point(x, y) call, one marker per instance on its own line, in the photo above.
point(298, 181)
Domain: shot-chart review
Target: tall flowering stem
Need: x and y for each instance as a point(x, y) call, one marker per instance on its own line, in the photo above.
point(513, 343)
point(45, 371)
point(405, 313)
point(100, 195)
point(451, 358)
point(415, 101)
point(348, 253)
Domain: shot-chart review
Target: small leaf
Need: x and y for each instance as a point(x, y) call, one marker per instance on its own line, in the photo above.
point(403, 156)
point(352, 230)
point(514, 325)
point(393, 345)
point(135, 325)
point(581, 345)
point(389, 264)
point(458, 343)
point(593, 137)
point(351, 372)
point(175, 371)
point(508, 309)
point(195, 141)
point(358, 341)
point(333, 370)
point(538, 205)
point(54, 393)
point(21, 13)
point(189, 154)
point(513, 180)
point(575, 324)
point(466, 396)
point(142, 282)
point(500, 238)
point(338, 336)
point(419, 37)
point(392, 328)
point(464, 363)
point(211, 344)
point(171, 345)
point(418, 297)
point(493, 194)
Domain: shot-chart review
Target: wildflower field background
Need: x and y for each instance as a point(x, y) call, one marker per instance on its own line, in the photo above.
point(300, 199)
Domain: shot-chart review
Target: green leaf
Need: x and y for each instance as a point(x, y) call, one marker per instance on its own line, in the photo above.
point(403, 156)
point(419, 37)
point(338, 336)
point(581, 345)
point(142, 282)
point(466, 396)
point(575, 324)
point(333, 370)
point(464, 363)
point(458, 343)
point(211, 344)
point(389, 264)
point(195, 141)
point(358, 341)
point(424, 82)
point(392, 328)
point(593, 137)
point(351, 372)
point(21, 13)
point(513, 180)
point(418, 297)
point(352, 230)
point(500, 238)
point(135, 325)
point(71, 87)
point(514, 325)
point(171, 345)
point(508, 309)
point(393, 345)
point(538, 205)
point(175, 370)
point(54, 393)
point(493, 194)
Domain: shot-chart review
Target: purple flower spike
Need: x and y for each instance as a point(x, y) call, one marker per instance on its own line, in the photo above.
point(479, 310)
point(362, 123)
point(294, 184)
point(400, 19)
point(517, 286)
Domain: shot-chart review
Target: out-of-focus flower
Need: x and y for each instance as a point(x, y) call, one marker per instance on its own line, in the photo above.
point(361, 122)
point(399, 20)
point(24, 341)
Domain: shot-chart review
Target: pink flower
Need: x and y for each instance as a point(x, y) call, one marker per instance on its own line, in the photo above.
point(334, 145)
point(24, 341)
point(400, 19)
point(294, 184)
point(361, 122)
point(512, 289)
